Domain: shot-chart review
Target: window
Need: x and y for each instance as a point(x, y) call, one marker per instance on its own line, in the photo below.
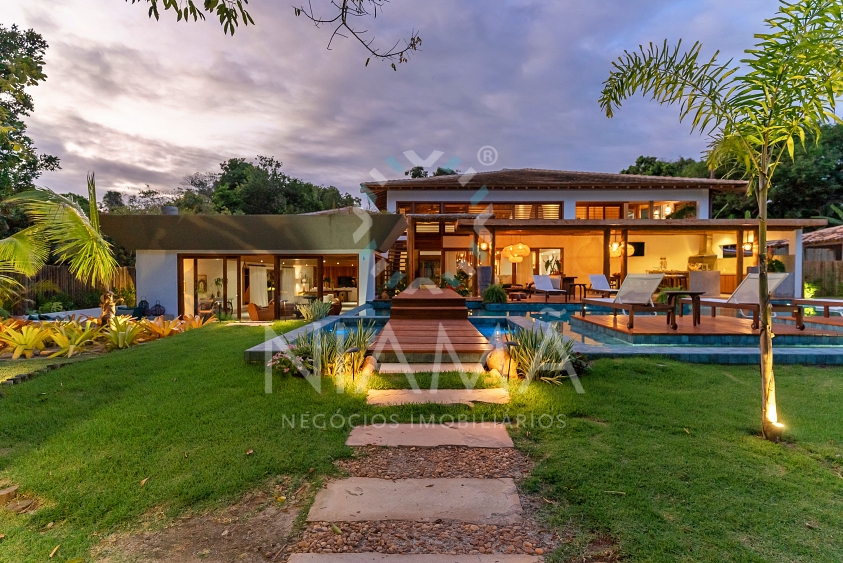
point(598, 211)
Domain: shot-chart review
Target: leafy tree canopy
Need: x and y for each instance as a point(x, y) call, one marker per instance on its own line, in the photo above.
point(809, 185)
point(21, 66)
point(241, 187)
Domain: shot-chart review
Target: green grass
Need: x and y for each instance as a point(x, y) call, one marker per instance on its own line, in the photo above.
point(680, 441)
point(12, 368)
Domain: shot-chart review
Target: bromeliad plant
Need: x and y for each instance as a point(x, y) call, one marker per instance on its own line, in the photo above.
point(122, 332)
point(160, 328)
point(73, 337)
point(198, 321)
point(27, 340)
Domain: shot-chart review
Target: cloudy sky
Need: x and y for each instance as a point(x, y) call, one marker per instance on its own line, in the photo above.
point(145, 102)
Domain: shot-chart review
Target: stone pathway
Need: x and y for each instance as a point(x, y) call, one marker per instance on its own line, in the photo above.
point(475, 435)
point(378, 518)
point(385, 397)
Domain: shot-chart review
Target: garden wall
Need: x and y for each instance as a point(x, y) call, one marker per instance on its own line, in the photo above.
point(827, 275)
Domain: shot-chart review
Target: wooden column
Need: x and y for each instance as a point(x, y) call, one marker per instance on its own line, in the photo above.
point(411, 251)
point(320, 273)
point(276, 293)
point(475, 262)
point(239, 289)
point(624, 254)
point(607, 241)
point(492, 248)
point(739, 256)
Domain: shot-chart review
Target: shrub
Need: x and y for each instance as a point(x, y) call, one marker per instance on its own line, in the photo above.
point(775, 266)
point(810, 289)
point(541, 355)
point(191, 322)
point(494, 294)
point(314, 310)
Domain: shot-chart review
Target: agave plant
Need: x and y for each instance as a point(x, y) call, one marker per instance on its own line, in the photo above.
point(25, 340)
point(122, 332)
point(541, 355)
point(73, 337)
point(160, 328)
point(191, 321)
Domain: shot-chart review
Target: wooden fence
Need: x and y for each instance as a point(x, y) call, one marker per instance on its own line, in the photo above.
point(827, 275)
point(67, 283)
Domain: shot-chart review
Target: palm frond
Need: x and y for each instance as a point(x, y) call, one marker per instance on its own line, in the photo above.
point(76, 236)
point(23, 252)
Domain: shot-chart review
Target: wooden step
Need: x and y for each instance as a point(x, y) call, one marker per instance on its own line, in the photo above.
point(446, 313)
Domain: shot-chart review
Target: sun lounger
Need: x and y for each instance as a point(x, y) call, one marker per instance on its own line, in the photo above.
point(545, 285)
point(746, 297)
point(827, 305)
point(600, 285)
point(635, 296)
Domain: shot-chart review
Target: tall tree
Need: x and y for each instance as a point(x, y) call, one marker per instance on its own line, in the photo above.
point(788, 88)
point(21, 66)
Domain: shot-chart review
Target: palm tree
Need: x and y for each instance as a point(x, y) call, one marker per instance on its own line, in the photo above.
point(788, 87)
point(75, 237)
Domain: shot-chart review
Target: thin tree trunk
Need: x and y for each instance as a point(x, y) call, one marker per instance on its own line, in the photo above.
point(770, 428)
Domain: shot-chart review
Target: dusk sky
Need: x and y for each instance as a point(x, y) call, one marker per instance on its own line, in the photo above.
point(145, 102)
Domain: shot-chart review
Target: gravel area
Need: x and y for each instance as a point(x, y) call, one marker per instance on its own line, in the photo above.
point(441, 462)
point(415, 537)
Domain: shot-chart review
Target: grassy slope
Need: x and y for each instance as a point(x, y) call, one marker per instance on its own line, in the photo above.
point(713, 493)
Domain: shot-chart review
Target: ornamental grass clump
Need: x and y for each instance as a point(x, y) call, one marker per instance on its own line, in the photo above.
point(314, 310)
point(541, 355)
point(325, 352)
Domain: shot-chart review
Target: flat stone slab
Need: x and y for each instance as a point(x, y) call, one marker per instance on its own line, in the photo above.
point(440, 396)
point(361, 499)
point(471, 434)
point(410, 558)
point(431, 368)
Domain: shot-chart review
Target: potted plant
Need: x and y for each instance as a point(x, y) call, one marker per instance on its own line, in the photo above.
point(553, 266)
point(218, 283)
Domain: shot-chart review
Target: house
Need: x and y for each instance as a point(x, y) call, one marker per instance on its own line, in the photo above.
point(196, 263)
point(518, 223)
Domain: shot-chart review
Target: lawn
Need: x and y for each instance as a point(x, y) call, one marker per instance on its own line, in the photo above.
point(661, 457)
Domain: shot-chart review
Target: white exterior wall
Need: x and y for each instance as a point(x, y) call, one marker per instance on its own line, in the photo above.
point(568, 197)
point(157, 273)
point(157, 278)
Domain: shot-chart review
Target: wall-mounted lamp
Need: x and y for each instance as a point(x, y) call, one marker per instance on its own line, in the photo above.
point(484, 246)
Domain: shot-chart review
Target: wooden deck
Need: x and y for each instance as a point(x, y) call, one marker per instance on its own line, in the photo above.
point(428, 336)
point(426, 322)
point(656, 325)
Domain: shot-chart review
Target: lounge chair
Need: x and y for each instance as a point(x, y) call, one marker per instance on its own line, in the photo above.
point(746, 297)
point(828, 305)
point(635, 296)
point(545, 285)
point(599, 284)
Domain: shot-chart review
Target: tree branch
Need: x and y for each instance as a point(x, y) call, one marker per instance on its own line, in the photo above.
point(344, 13)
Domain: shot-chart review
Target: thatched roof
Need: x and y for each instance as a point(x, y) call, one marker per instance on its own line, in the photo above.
point(534, 178)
